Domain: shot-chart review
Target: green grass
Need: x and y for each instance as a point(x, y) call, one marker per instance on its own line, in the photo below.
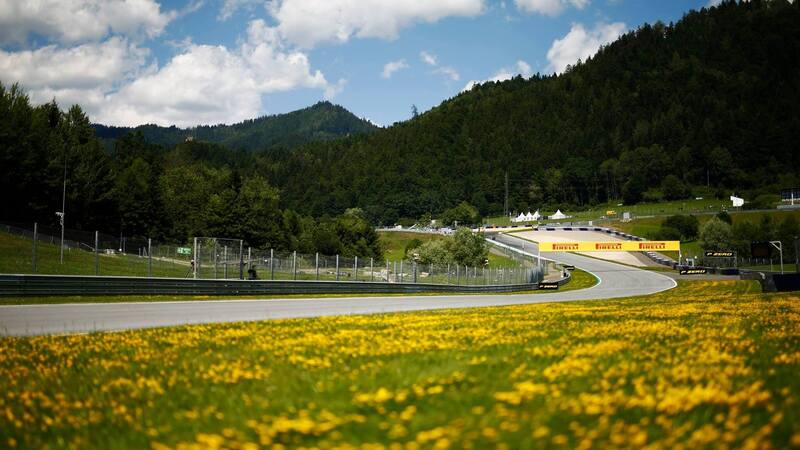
point(704, 365)
point(16, 257)
point(395, 243)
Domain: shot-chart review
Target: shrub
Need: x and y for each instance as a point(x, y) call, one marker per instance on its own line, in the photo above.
point(687, 226)
point(715, 235)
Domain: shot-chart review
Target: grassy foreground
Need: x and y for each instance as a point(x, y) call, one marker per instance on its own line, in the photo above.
point(710, 364)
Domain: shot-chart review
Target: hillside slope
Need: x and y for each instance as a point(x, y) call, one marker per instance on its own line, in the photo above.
point(710, 100)
point(322, 121)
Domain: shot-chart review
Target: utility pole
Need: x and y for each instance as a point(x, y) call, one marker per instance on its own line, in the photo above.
point(62, 213)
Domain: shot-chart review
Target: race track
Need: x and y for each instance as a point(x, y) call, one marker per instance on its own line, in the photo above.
point(615, 281)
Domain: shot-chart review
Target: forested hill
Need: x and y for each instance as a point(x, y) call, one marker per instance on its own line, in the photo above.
point(712, 99)
point(323, 121)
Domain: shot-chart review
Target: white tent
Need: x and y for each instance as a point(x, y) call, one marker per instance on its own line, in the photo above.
point(558, 215)
point(536, 215)
point(520, 218)
point(529, 217)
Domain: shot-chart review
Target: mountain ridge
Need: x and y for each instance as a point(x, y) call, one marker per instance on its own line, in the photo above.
point(321, 121)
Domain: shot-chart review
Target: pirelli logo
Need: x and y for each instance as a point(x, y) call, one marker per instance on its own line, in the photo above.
point(565, 247)
point(611, 246)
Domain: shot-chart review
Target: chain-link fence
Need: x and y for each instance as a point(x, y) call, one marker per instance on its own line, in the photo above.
point(88, 253)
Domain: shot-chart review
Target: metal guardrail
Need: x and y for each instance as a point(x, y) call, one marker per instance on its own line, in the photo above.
point(55, 285)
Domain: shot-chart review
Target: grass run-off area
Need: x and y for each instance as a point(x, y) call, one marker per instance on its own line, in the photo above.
point(395, 243)
point(706, 365)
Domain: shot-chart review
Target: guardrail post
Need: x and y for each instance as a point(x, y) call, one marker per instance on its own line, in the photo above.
point(371, 270)
point(35, 241)
point(294, 264)
point(337, 267)
point(149, 254)
point(316, 264)
point(271, 264)
point(355, 269)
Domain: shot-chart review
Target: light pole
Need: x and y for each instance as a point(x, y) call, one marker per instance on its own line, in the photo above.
point(61, 213)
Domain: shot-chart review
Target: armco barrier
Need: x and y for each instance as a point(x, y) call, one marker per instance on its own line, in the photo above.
point(46, 285)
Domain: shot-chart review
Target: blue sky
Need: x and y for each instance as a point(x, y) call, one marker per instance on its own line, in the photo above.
point(189, 62)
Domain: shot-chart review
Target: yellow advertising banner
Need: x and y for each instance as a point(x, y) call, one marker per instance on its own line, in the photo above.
point(612, 246)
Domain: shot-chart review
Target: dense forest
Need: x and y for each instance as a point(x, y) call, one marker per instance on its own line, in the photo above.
point(708, 103)
point(323, 121)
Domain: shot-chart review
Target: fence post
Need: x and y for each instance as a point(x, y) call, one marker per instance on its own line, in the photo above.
point(241, 260)
point(35, 241)
point(337, 267)
point(196, 259)
point(294, 265)
point(448, 273)
point(401, 271)
point(458, 274)
point(225, 262)
point(371, 269)
point(414, 268)
point(149, 254)
point(316, 264)
point(355, 269)
point(272, 264)
point(396, 275)
point(388, 278)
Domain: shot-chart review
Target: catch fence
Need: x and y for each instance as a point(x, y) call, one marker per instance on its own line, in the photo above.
point(94, 253)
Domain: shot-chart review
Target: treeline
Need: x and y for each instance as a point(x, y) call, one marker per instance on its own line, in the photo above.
point(146, 190)
point(705, 105)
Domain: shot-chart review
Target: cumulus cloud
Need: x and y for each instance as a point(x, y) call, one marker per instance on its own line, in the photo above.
point(427, 58)
point(581, 43)
point(393, 66)
point(549, 7)
point(75, 21)
point(202, 84)
point(309, 22)
point(505, 73)
point(215, 84)
point(81, 74)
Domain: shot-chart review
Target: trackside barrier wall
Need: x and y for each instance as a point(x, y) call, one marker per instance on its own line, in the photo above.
point(46, 285)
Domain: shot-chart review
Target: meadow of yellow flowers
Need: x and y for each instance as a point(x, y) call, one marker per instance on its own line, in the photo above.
point(707, 365)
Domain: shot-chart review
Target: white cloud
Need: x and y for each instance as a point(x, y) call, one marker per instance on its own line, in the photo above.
point(230, 7)
point(431, 60)
point(427, 58)
point(81, 74)
point(581, 43)
point(74, 21)
point(214, 84)
point(203, 84)
point(506, 73)
point(549, 7)
point(393, 66)
point(310, 22)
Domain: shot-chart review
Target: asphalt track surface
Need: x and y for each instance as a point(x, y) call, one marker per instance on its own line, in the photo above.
point(20, 320)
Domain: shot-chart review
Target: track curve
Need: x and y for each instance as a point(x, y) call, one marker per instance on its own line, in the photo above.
point(615, 281)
